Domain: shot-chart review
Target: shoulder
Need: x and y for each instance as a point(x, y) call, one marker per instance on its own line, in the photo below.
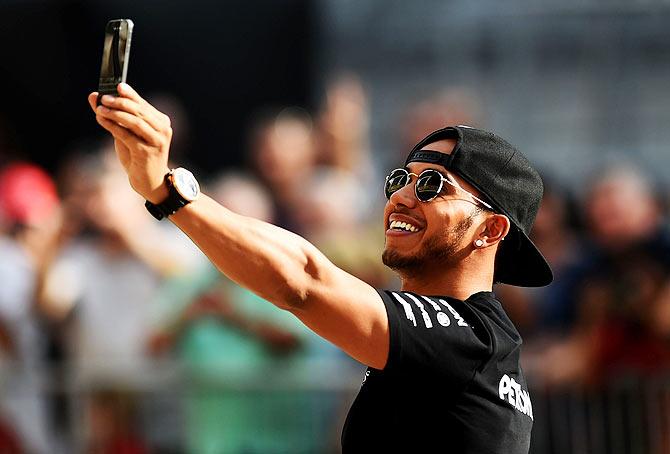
point(430, 311)
point(435, 333)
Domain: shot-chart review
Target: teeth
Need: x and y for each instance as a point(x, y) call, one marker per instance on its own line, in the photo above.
point(403, 226)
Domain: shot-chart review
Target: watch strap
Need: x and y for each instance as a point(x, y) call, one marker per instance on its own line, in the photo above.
point(170, 205)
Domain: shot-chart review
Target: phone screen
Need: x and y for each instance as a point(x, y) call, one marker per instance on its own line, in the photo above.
point(115, 54)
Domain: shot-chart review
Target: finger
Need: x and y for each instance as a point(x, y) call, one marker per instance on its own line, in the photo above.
point(119, 103)
point(92, 100)
point(133, 123)
point(128, 91)
point(164, 120)
point(142, 110)
point(119, 132)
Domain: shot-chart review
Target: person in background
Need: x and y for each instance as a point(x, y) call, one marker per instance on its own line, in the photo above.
point(103, 280)
point(231, 341)
point(546, 313)
point(449, 106)
point(283, 153)
point(348, 237)
point(622, 312)
point(343, 129)
point(29, 225)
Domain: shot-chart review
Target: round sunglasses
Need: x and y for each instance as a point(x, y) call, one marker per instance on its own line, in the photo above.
point(429, 184)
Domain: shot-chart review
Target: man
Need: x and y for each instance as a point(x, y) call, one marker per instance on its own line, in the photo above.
point(443, 357)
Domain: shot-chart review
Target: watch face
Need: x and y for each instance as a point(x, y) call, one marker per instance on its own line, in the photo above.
point(185, 183)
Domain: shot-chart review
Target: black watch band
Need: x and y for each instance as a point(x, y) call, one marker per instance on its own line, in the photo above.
point(168, 206)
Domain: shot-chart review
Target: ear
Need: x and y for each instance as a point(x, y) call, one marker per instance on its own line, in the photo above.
point(495, 229)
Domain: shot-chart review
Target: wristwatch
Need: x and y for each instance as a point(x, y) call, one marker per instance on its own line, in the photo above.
point(183, 189)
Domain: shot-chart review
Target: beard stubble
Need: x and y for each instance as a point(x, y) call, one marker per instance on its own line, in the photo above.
point(437, 250)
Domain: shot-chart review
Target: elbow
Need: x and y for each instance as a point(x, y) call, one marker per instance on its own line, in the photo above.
point(293, 301)
point(288, 295)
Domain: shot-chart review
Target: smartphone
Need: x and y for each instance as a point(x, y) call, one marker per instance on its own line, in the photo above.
point(115, 56)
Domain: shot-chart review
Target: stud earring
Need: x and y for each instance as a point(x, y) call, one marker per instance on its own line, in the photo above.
point(479, 243)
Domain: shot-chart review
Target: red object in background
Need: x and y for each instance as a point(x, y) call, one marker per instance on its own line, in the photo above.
point(126, 445)
point(620, 349)
point(8, 441)
point(27, 194)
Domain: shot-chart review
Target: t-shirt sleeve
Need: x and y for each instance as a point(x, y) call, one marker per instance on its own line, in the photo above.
point(434, 336)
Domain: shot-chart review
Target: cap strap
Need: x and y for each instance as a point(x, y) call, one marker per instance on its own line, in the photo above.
point(430, 156)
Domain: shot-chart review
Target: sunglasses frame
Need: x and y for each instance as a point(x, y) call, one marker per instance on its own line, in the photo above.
point(443, 179)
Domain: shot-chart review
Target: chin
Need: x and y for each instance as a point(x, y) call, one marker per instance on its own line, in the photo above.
point(435, 251)
point(397, 261)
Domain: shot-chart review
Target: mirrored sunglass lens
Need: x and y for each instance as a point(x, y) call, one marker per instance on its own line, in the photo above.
point(395, 181)
point(428, 185)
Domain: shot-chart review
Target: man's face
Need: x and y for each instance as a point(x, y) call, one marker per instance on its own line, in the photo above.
point(445, 226)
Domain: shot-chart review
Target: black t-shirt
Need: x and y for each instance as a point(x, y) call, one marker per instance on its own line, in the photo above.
point(452, 382)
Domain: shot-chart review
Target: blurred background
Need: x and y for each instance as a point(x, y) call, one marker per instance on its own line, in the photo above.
point(117, 336)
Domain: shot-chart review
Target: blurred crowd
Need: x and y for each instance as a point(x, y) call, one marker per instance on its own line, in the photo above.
point(96, 296)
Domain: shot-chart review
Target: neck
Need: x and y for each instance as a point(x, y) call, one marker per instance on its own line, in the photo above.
point(460, 281)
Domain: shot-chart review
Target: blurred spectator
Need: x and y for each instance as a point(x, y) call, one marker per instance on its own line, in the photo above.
point(625, 299)
point(331, 203)
point(343, 142)
point(8, 440)
point(622, 211)
point(112, 421)
point(287, 148)
point(104, 279)
point(284, 153)
point(29, 220)
point(244, 195)
point(453, 106)
point(334, 215)
point(622, 297)
point(232, 341)
point(343, 128)
point(542, 313)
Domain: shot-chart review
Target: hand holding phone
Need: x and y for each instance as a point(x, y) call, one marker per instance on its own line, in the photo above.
point(115, 56)
point(142, 138)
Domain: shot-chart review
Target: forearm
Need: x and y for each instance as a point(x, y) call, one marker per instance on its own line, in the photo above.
point(274, 263)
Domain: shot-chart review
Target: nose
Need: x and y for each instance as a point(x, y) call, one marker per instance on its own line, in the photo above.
point(404, 196)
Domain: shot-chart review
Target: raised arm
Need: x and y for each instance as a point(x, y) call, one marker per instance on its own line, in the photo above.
point(276, 264)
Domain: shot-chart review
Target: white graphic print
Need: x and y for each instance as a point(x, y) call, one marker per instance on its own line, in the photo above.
point(424, 314)
point(408, 309)
point(365, 377)
point(432, 303)
point(442, 318)
point(510, 390)
point(459, 319)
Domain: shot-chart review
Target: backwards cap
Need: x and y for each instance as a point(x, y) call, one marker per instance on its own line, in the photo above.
point(507, 180)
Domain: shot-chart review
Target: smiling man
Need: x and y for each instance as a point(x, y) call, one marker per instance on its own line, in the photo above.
point(443, 358)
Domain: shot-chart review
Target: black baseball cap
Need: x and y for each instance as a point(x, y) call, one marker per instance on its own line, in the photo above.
point(507, 181)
